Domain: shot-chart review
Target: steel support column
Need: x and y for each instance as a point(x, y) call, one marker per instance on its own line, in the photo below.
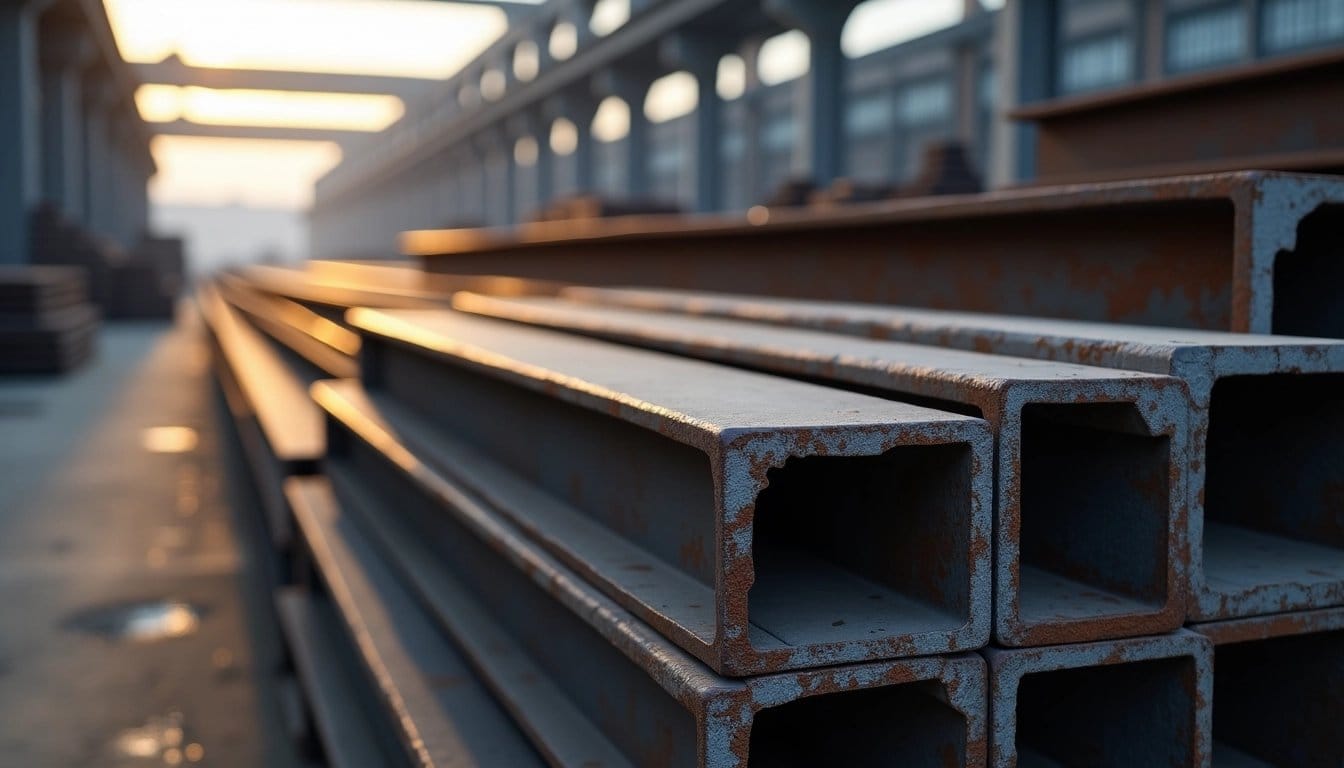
point(578, 108)
point(699, 55)
point(63, 55)
point(631, 87)
point(20, 128)
point(823, 21)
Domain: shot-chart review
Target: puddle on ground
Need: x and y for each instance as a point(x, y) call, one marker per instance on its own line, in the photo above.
point(139, 622)
point(175, 439)
point(160, 741)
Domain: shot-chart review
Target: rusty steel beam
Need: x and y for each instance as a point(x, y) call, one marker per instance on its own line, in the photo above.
point(330, 295)
point(1266, 431)
point(1090, 478)
point(329, 288)
point(325, 344)
point(1239, 251)
point(1121, 703)
point(760, 523)
point(1278, 113)
point(1278, 695)
point(440, 712)
point(278, 425)
point(593, 685)
point(333, 689)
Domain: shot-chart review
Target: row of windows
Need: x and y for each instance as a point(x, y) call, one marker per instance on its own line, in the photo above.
point(914, 105)
point(1194, 40)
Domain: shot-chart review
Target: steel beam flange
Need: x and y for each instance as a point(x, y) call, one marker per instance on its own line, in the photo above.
point(1136, 701)
point(1266, 429)
point(1090, 476)
point(1278, 695)
point(761, 523)
point(1250, 251)
point(591, 684)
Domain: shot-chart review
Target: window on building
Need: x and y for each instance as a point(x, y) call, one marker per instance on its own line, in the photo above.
point(666, 161)
point(870, 114)
point(786, 56)
point(1205, 38)
point(779, 134)
point(609, 16)
point(733, 146)
point(1287, 25)
point(564, 41)
point(924, 103)
point(526, 60)
point(731, 78)
point(493, 84)
point(1097, 62)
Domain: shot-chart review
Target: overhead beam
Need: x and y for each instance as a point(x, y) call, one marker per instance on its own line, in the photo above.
point(187, 128)
point(173, 71)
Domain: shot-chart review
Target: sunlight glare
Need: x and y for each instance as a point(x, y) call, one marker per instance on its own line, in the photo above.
point(398, 38)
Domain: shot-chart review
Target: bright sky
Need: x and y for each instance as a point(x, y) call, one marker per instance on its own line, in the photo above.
point(407, 38)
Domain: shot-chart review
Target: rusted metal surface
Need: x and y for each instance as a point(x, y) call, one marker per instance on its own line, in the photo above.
point(330, 293)
point(1090, 476)
point(593, 685)
point(1239, 251)
point(1266, 431)
point(323, 343)
point(760, 523)
point(1280, 114)
point(424, 690)
point(329, 288)
point(1278, 695)
point(1136, 701)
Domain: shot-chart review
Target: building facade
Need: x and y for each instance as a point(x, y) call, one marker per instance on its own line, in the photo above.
point(488, 149)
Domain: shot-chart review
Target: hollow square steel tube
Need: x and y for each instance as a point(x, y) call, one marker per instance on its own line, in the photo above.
point(1278, 689)
point(1249, 251)
point(1135, 701)
point(590, 683)
point(761, 523)
point(1090, 498)
point(1266, 429)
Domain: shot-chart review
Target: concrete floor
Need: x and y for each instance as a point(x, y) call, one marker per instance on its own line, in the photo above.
point(133, 630)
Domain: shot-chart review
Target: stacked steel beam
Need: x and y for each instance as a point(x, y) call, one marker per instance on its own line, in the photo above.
point(47, 324)
point(576, 525)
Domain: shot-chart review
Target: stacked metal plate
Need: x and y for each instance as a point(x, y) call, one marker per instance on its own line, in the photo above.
point(47, 324)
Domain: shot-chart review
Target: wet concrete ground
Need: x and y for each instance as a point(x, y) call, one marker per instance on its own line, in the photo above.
point(133, 631)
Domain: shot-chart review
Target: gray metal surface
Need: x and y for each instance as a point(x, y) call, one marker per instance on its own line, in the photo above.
point(279, 427)
point(591, 683)
point(442, 713)
point(331, 683)
point(1278, 691)
point(761, 523)
point(1136, 701)
point(1266, 432)
point(1090, 498)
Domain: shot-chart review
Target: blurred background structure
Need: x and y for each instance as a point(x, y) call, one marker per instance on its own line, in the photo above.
point(387, 116)
point(950, 242)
